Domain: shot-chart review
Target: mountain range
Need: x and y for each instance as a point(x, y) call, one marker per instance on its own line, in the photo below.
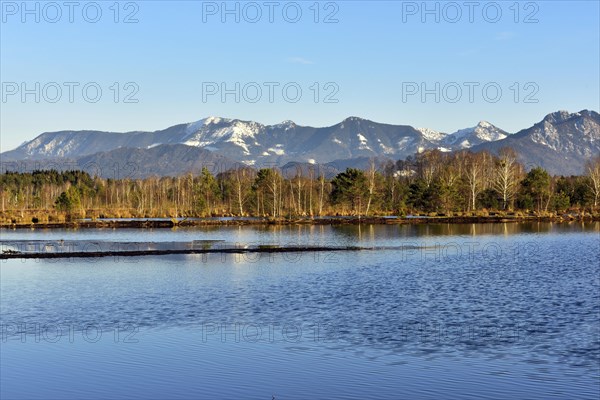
point(562, 142)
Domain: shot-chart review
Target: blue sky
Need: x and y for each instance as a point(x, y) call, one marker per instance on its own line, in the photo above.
point(544, 58)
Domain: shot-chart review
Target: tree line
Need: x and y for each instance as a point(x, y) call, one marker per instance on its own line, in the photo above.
point(428, 182)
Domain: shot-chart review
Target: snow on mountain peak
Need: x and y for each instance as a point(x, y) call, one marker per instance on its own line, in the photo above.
point(212, 120)
point(431, 134)
point(287, 124)
point(201, 135)
point(559, 116)
point(488, 132)
point(468, 137)
point(237, 134)
point(194, 127)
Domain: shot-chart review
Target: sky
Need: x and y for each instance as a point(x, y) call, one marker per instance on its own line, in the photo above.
point(148, 65)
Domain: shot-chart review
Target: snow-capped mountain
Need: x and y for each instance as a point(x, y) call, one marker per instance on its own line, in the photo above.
point(469, 137)
point(571, 137)
point(246, 141)
point(558, 131)
point(561, 143)
point(431, 134)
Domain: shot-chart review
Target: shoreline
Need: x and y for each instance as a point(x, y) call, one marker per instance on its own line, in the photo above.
point(164, 223)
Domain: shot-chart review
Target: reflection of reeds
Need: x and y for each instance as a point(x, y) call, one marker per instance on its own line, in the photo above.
point(204, 244)
point(268, 246)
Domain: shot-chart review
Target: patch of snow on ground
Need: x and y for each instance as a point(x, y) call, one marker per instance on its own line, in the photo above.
point(49, 147)
point(386, 150)
point(238, 133)
point(239, 142)
point(404, 142)
point(279, 152)
point(33, 145)
point(194, 127)
point(66, 147)
point(363, 142)
point(198, 143)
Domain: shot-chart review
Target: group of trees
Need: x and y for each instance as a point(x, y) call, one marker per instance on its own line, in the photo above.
point(431, 181)
point(465, 181)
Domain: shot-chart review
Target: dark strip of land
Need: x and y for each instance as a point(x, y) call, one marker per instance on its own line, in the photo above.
point(138, 253)
point(149, 223)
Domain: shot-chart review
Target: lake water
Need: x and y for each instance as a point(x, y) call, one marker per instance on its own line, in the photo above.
point(452, 311)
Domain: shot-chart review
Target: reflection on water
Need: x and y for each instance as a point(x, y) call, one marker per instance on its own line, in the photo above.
point(486, 311)
point(300, 233)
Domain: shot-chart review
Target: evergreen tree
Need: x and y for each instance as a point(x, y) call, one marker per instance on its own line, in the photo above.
point(350, 188)
point(535, 188)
